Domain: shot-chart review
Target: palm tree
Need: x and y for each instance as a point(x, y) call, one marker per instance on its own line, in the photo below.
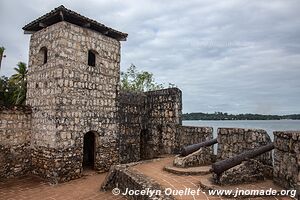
point(1, 55)
point(19, 79)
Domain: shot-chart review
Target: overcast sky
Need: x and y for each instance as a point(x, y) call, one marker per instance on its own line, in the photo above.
point(234, 56)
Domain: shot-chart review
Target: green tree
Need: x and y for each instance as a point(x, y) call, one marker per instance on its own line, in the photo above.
point(3, 90)
point(20, 81)
point(141, 81)
point(7, 89)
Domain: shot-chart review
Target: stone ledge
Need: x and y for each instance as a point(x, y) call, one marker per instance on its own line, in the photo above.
point(250, 171)
point(203, 170)
point(201, 157)
point(122, 177)
point(10, 109)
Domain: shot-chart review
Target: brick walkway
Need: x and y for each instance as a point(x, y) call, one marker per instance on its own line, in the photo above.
point(180, 182)
point(85, 188)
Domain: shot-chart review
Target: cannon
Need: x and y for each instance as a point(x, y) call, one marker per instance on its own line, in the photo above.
point(195, 147)
point(223, 165)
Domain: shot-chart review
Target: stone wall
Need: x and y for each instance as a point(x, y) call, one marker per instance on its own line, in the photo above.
point(148, 123)
point(131, 116)
point(187, 135)
point(15, 131)
point(233, 141)
point(70, 98)
point(163, 114)
point(287, 159)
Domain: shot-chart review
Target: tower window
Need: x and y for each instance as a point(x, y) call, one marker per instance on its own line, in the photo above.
point(43, 56)
point(91, 58)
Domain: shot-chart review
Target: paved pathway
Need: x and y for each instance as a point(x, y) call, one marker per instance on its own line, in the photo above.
point(87, 187)
point(32, 188)
point(180, 182)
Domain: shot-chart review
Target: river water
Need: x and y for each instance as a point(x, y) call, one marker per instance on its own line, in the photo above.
point(268, 125)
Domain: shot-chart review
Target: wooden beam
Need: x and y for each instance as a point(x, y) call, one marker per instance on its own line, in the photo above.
point(61, 16)
point(122, 38)
point(86, 25)
point(42, 25)
point(29, 32)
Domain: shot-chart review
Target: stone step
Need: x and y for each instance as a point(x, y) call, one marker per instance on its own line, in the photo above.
point(202, 170)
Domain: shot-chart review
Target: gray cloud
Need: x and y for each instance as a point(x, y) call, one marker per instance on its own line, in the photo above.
point(232, 56)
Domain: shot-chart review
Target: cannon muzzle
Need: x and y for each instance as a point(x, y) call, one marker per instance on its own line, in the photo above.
point(195, 147)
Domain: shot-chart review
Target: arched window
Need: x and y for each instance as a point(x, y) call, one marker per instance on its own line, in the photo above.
point(43, 56)
point(92, 58)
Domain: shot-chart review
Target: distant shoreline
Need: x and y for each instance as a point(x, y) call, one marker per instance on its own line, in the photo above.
point(236, 119)
point(225, 116)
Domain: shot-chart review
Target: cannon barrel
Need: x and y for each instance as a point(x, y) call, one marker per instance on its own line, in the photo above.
point(228, 163)
point(195, 147)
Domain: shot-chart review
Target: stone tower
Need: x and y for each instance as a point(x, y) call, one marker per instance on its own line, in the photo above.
point(74, 69)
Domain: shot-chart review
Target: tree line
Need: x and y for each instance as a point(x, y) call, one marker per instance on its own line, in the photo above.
point(226, 116)
point(140, 81)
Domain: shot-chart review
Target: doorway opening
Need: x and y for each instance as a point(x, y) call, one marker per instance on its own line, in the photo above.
point(144, 138)
point(89, 150)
